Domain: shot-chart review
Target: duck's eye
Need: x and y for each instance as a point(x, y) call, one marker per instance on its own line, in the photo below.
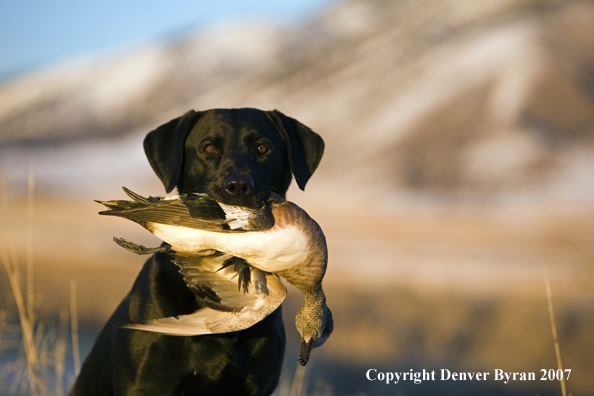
point(209, 149)
point(262, 149)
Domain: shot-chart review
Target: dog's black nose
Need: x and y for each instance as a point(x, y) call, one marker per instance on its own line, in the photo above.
point(239, 185)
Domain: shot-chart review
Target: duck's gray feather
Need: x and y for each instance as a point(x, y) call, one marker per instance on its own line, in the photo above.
point(171, 212)
point(227, 309)
point(194, 210)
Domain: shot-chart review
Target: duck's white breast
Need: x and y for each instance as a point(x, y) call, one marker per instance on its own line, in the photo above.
point(273, 250)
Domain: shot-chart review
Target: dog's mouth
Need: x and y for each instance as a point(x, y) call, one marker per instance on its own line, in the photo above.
point(256, 201)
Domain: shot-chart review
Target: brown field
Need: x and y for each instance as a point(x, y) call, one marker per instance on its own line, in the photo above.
point(415, 289)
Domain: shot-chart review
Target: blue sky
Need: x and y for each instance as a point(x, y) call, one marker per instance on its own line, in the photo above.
point(36, 33)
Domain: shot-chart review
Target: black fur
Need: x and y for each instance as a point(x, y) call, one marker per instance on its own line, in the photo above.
point(248, 362)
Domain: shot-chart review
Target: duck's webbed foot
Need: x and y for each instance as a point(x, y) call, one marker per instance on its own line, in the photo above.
point(139, 249)
point(244, 273)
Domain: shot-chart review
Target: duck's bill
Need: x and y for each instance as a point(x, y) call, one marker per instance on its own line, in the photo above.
point(305, 351)
point(275, 198)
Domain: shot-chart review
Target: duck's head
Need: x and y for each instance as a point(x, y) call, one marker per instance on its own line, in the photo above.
point(314, 322)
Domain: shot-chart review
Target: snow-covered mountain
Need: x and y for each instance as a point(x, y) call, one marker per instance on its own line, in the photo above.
point(459, 97)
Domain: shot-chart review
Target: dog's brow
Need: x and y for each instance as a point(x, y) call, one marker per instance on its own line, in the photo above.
point(252, 135)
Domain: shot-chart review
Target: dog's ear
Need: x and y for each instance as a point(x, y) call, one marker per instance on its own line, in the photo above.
point(164, 148)
point(305, 147)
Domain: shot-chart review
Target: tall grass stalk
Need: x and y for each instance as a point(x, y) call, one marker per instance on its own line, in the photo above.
point(60, 352)
point(9, 258)
point(74, 326)
point(30, 206)
point(554, 329)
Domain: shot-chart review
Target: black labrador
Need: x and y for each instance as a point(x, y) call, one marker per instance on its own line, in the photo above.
point(238, 156)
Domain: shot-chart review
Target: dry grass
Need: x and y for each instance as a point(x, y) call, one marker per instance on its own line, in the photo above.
point(554, 330)
point(74, 326)
point(9, 258)
point(455, 291)
point(45, 348)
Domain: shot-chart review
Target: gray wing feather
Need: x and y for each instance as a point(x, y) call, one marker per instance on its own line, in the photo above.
point(235, 309)
point(189, 210)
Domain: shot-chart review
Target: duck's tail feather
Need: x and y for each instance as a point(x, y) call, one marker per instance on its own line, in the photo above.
point(117, 205)
point(136, 197)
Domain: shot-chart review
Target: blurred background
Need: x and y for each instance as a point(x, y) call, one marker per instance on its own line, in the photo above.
point(459, 165)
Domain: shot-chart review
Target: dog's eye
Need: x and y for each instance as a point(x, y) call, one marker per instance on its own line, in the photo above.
point(209, 149)
point(262, 149)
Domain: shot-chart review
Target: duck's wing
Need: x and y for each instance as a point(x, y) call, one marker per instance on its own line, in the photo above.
point(227, 308)
point(201, 212)
point(193, 210)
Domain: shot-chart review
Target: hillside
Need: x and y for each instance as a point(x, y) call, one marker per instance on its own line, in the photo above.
point(485, 101)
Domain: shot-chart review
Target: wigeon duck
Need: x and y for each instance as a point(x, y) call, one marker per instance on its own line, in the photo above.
point(278, 239)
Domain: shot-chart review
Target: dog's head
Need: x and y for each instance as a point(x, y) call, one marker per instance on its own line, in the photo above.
point(237, 156)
